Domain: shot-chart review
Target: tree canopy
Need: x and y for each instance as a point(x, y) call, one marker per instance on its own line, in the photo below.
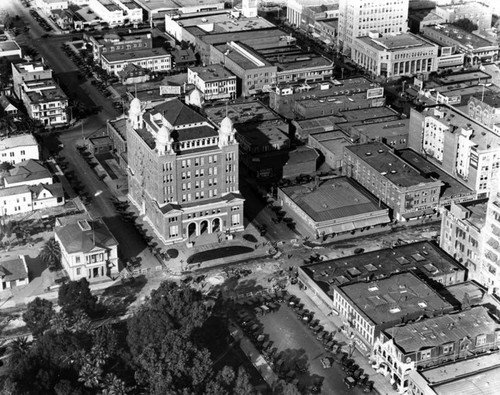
point(38, 315)
point(76, 295)
point(466, 24)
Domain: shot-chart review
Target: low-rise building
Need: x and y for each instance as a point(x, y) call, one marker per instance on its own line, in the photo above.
point(49, 5)
point(479, 375)
point(29, 172)
point(25, 198)
point(301, 161)
point(392, 180)
point(331, 145)
point(404, 54)
point(117, 132)
point(400, 350)
point(10, 49)
point(335, 207)
point(213, 81)
point(478, 12)
point(19, 148)
point(14, 273)
point(45, 102)
point(476, 48)
point(156, 60)
point(485, 109)
point(118, 42)
point(133, 74)
point(263, 137)
point(7, 107)
point(392, 133)
point(108, 11)
point(303, 14)
point(88, 250)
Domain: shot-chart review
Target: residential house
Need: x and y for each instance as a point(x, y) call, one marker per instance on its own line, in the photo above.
point(14, 272)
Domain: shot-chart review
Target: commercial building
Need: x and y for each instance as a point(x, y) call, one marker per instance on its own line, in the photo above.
point(300, 161)
point(303, 14)
point(118, 42)
point(19, 148)
point(156, 60)
point(14, 273)
point(490, 246)
point(478, 12)
point(49, 5)
point(183, 171)
point(331, 146)
point(403, 54)
point(334, 207)
point(457, 144)
point(476, 48)
point(213, 81)
point(10, 49)
point(431, 342)
point(359, 17)
point(392, 180)
point(117, 12)
point(485, 109)
point(117, 133)
point(88, 249)
point(392, 133)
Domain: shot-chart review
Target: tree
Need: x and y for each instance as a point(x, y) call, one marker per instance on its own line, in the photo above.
point(6, 166)
point(38, 316)
point(284, 388)
point(51, 254)
point(242, 384)
point(76, 295)
point(465, 24)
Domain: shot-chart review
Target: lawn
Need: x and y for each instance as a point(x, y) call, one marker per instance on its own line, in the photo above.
point(217, 253)
point(296, 342)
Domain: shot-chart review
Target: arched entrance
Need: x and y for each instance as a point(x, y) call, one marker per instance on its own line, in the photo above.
point(192, 229)
point(215, 225)
point(203, 227)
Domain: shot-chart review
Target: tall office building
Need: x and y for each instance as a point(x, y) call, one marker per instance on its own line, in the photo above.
point(183, 171)
point(359, 17)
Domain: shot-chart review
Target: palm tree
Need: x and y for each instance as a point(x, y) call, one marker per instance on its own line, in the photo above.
point(51, 254)
point(20, 346)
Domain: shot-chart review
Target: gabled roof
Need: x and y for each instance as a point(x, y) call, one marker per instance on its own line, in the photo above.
point(84, 236)
point(130, 68)
point(27, 170)
point(56, 190)
point(13, 269)
point(6, 103)
point(177, 113)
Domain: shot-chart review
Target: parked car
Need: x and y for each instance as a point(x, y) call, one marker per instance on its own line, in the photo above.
point(368, 387)
point(349, 382)
point(326, 363)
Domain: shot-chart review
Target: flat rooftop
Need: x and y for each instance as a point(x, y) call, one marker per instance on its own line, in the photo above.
point(474, 376)
point(338, 103)
point(398, 42)
point(223, 22)
point(381, 158)
point(160, 5)
point(110, 6)
point(48, 91)
point(243, 56)
point(213, 72)
point(8, 46)
point(241, 113)
point(383, 129)
point(422, 257)
point(134, 54)
point(394, 298)
point(476, 294)
point(477, 209)
point(261, 135)
point(272, 34)
point(433, 332)
point(492, 99)
point(362, 115)
point(483, 137)
point(320, 123)
point(17, 141)
point(293, 57)
point(451, 186)
point(461, 36)
point(326, 88)
point(332, 199)
point(462, 77)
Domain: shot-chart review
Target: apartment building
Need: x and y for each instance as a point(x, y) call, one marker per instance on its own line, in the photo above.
point(31, 71)
point(118, 42)
point(398, 55)
point(401, 350)
point(485, 109)
point(457, 144)
point(213, 81)
point(359, 17)
point(395, 182)
point(156, 60)
point(183, 171)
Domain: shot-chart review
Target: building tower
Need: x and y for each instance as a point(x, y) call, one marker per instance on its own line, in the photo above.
point(359, 17)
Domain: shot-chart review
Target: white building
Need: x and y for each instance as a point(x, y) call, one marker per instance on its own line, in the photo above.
point(402, 54)
point(108, 11)
point(88, 249)
point(152, 59)
point(489, 266)
point(295, 8)
point(133, 13)
point(213, 81)
point(10, 48)
point(14, 273)
point(48, 5)
point(19, 148)
point(359, 17)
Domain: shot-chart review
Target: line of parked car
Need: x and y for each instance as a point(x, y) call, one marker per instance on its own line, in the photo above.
point(41, 20)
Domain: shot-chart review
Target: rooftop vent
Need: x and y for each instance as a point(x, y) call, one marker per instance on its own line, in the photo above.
point(84, 225)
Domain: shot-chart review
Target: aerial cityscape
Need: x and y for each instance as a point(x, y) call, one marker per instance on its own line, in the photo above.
point(250, 197)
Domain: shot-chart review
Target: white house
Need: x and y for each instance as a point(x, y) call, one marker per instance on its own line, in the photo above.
point(88, 249)
point(14, 273)
point(19, 148)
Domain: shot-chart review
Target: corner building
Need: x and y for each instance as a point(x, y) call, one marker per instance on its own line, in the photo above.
point(183, 171)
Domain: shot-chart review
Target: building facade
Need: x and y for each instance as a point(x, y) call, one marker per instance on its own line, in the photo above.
point(88, 250)
point(156, 60)
point(398, 55)
point(358, 17)
point(32, 71)
point(401, 350)
point(214, 82)
point(196, 164)
point(395, 182)
point(485, 110)
point(16, 149)
point(490, 246)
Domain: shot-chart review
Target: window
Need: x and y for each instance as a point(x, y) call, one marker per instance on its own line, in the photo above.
point(174, 230)
point(77, 259)
point(425, 354)
point(448, 348)
point(78, 271)
point(235, 219)
point(480, 340)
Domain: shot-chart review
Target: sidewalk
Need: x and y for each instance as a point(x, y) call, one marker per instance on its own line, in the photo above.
point(333, 323)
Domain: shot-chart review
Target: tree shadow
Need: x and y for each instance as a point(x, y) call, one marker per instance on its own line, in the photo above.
point(118, 298)
point(35, 266)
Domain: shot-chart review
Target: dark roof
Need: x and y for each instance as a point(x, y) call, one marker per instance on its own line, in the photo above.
point(27, 170)
point(13, 269)
point(55, 189)
point(84, 236)
point(130, 68)
point(177, 113)
point(302, 155)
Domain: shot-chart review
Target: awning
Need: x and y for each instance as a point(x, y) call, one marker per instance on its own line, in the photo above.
point(419, 213)
point(371, 221)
